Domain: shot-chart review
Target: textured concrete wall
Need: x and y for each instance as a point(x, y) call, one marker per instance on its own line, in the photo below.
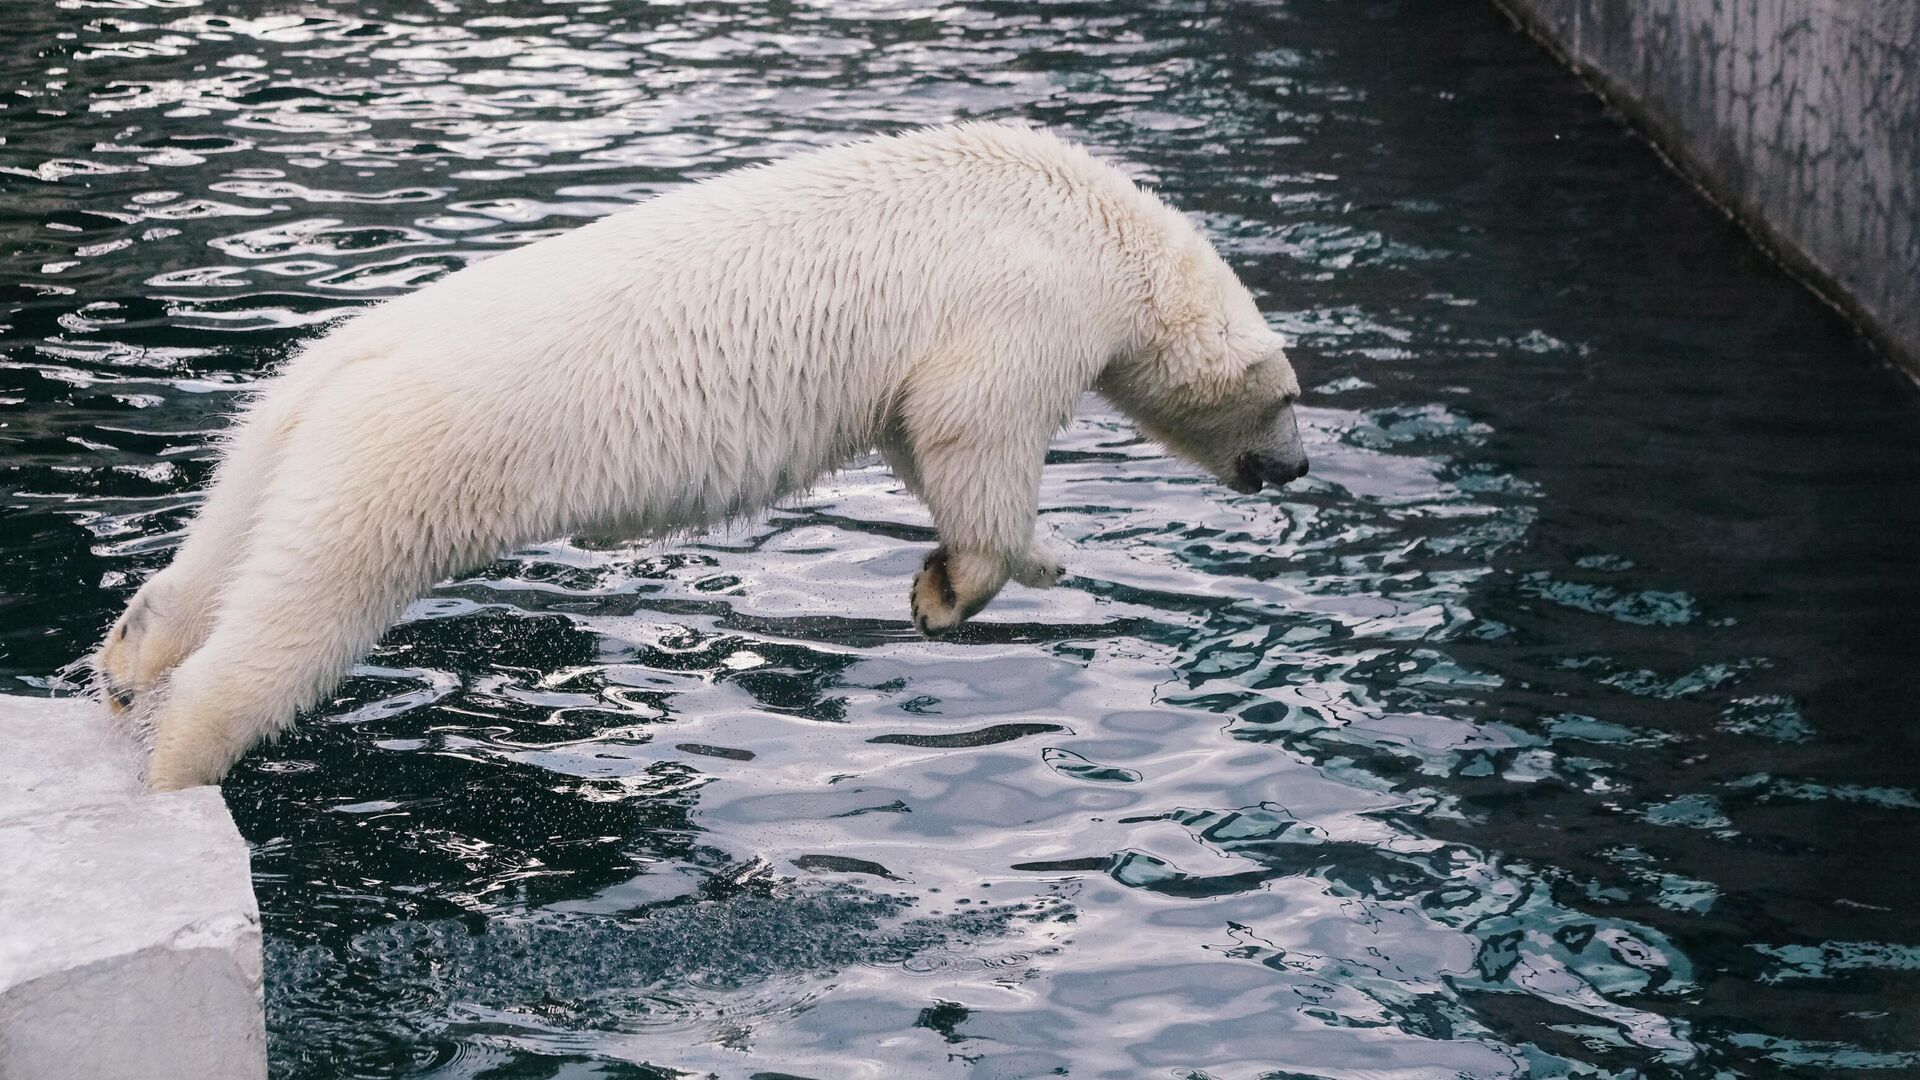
point(1803, 116)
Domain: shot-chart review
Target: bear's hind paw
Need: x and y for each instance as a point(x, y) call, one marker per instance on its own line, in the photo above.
point(1043, 573)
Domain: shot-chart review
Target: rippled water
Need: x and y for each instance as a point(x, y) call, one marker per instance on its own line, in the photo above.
point(1561, 725)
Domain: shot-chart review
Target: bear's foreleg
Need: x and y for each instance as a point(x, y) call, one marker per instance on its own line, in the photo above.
point(971, 444)
point(1038, 568)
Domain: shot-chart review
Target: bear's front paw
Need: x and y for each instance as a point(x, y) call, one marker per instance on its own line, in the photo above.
point(936, 607)
point(950, 589)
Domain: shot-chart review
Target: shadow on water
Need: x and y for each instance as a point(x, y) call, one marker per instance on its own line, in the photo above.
point(1558, 726)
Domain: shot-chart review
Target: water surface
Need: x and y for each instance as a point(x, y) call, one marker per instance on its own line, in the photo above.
point(1560, 725)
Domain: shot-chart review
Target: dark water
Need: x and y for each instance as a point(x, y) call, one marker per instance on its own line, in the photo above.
point(1562, 725)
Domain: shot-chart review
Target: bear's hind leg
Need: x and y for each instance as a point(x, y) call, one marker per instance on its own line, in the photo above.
point(325, 572)
point(171, 614)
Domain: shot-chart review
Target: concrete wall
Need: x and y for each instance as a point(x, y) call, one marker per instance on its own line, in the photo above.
point(1802, 116)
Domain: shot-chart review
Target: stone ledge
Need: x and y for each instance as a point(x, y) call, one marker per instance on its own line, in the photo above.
point(129, 935)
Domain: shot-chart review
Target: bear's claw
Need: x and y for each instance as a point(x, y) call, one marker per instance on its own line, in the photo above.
point(932, 598)
point(119, 698)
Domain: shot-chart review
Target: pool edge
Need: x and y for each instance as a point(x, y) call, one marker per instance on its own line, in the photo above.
point(129, 932)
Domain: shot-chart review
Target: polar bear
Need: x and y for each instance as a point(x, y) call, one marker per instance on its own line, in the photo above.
point(943, 296)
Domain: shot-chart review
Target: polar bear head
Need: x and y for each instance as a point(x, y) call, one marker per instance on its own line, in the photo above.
point(1204, 375)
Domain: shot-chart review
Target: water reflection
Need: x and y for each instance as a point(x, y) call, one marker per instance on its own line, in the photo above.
point(1551, 729)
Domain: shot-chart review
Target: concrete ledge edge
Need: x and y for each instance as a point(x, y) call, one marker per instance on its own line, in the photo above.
point(1673, 150)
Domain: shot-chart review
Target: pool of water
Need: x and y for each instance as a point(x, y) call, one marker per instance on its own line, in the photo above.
point(1561, 724)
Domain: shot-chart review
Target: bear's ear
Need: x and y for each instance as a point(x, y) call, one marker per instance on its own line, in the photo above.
point(1274, 372)
point(1178, 287)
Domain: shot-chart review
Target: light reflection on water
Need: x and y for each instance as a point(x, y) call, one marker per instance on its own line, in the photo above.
point(1554, 727)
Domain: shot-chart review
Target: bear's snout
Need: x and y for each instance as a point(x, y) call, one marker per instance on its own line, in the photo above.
point(1258, 468)
point(1278, 459)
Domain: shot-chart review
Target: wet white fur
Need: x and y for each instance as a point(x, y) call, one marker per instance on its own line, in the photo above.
point(945, 296)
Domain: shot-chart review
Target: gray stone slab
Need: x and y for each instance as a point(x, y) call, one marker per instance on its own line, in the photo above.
point(62, 753)
point(129, 935)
